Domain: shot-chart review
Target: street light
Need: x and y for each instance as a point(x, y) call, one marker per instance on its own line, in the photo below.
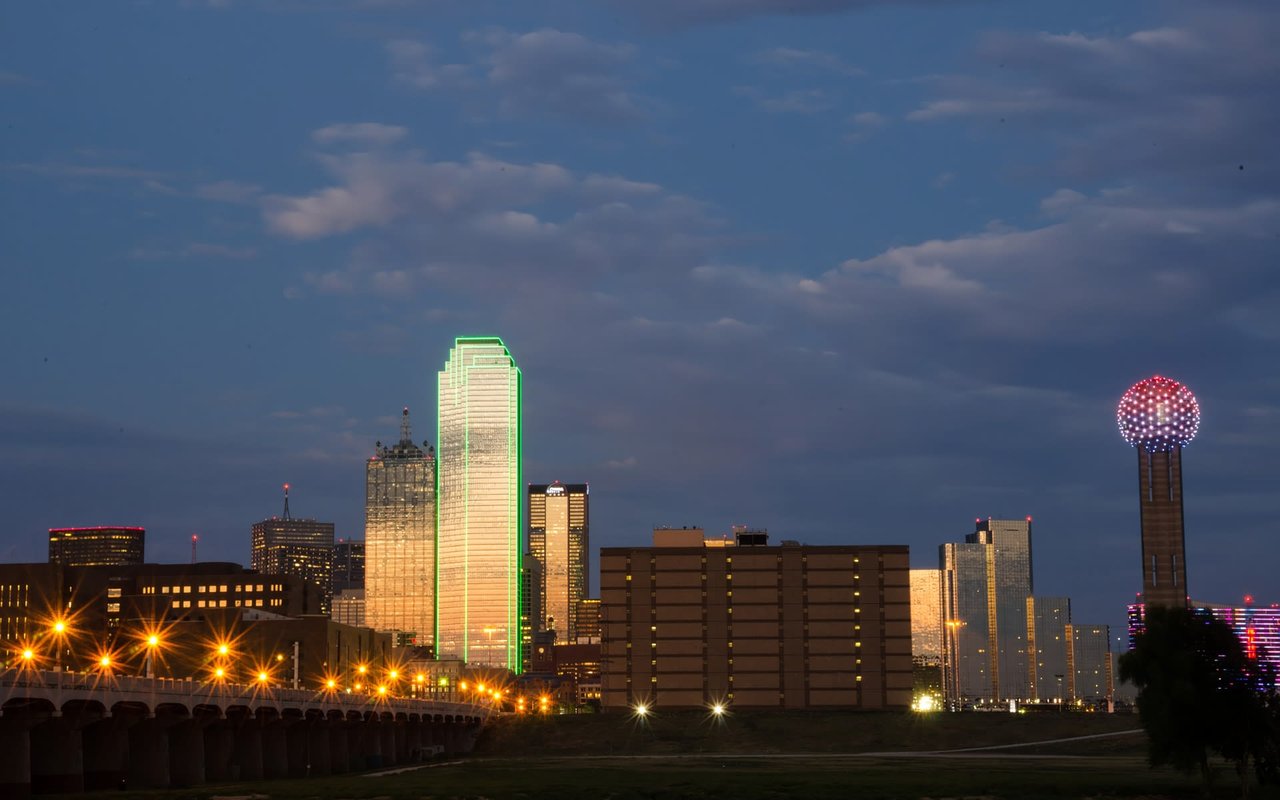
point(153, 644)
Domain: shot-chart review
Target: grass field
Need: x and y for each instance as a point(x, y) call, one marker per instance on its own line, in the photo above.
point(773, 755)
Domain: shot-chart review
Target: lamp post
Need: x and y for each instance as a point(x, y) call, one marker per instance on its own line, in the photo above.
point(153, 643)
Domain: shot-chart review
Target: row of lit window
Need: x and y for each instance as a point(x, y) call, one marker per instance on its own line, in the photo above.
point(248, 587)
point(224, 604)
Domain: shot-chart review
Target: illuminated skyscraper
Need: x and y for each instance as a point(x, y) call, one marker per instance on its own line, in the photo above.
point(400, 539)
point(558, 537)
point(1009, 573)
point(91, 547)
point(1089, 664)
point(348, 565)
point(966, 663)
point(302, 547)
point(1160, 416)
point(1048, 619)
point(926, 630)
point(479, 532)
point(985, 585)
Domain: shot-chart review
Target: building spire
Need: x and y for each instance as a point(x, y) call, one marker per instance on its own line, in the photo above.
point(404, 427)
point(286, 515)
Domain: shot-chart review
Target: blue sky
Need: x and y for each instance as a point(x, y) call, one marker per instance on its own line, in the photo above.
point(854, 271)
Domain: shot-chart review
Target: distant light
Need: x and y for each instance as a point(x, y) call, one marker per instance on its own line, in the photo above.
point(28, 654)
point(717, 709)
point(331, 684)
point(104, 662)
point(262, 677)
point(395, 674)
point(153, 640)
point(642, 710)
point(279, 656)
point(382, 690)
point(463, 686)
point(223, 649)
point(219, 672)
point(444, 681)
point(59, 627)
point(362, 669)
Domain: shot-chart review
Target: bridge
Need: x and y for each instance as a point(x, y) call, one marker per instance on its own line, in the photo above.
point(68, 732)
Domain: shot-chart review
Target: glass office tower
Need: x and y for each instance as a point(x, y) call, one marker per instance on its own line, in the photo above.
point(558, 538)
point(478, 551)
point(966, 660)
point(1009, 582)
point(400, 540)
point(1048, 619)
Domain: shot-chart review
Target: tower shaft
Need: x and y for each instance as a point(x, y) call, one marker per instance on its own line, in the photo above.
point(1164, 564)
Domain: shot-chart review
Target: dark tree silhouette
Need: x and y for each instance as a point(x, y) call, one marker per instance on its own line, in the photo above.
point(1198, 692)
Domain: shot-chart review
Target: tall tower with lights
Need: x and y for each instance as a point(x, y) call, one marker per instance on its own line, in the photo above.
point(1158, 417)
point(478, 541)
point(400, 539)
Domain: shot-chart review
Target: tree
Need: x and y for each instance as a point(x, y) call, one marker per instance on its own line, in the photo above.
point(1198, 692)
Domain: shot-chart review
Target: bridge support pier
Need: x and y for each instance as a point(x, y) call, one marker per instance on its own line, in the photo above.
point(105, 745)
point(57, 758)
point(297, 748)
point(390, 747)
point(149, 754)
point(318, 747)
point(358, 759)
point(186, 753)
point(219, 752)
point(15, 758)
point(247, 756)
point(373, 757)
point(275, 750)
point(339, 756)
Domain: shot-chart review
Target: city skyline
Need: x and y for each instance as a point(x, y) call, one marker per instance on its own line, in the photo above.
point(884, 269)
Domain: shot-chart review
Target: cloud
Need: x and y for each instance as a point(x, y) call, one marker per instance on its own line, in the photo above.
point(228, 192)
point(679, 13)
point(545, 71)
point(810, 60)
point(361, 133)
point(793, 101)
point(1192, 102)
point(194, 250)
point(57, 169)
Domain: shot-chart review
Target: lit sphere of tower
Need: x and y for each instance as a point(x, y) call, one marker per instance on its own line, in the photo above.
point(1158, 414)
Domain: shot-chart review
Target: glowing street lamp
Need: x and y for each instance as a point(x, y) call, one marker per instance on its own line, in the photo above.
point(641, 710)
point(153, 644)
point(718, 709)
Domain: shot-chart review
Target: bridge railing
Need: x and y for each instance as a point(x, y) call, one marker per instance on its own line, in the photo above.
point(59, 687)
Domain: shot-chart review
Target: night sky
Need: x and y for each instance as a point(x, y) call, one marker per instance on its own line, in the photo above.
point(854, 271)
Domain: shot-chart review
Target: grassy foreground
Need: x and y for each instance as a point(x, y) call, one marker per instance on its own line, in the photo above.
point(770, 755)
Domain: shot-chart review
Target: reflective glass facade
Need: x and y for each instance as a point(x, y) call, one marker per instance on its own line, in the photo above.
point(926, 615)
point(1008, 587)
point(400, 537)
point(966, 659)
point(1089, 663)
point(1047, 622)
point(558, 538)
point(478, 544)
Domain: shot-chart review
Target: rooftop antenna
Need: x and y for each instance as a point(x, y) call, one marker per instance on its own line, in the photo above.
point(404, 427)
point(194, 539)
point(287, 515)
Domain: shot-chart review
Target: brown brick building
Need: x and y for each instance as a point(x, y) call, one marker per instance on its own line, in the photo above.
point(688, 623)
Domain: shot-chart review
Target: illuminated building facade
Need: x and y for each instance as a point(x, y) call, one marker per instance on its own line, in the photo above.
point(1159, 417)
point(588, 617)
point(559, 530)
point(113, 606)
point(1089, 664)
point(1048, 619)
point(926, 630)
point(348, 607)
point(1257, 627)
point(790, 626)
point(985, 585)
point(400, 539)
point(301, 547)
point(99, 546)
point(479, 533)
point(966, 662)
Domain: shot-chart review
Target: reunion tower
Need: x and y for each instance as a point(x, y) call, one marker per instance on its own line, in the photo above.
point(1160, 416)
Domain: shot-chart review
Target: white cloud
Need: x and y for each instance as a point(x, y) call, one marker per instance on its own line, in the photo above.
point(367, 133)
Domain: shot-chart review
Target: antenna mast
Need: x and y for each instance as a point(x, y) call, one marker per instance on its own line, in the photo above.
point(194, 538)
point(287, 515)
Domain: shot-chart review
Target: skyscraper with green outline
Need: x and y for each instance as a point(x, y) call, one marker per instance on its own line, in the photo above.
point(478, 538)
